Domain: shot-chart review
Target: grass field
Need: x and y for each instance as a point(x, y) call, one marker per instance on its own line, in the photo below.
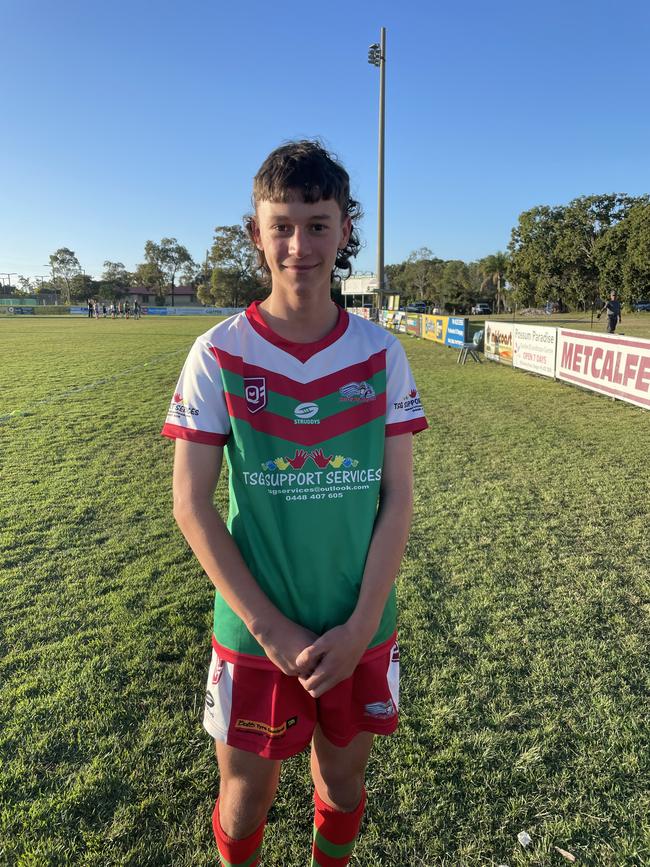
point(524, 621)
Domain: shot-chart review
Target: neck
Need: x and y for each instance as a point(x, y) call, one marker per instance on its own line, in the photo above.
point(300, 320)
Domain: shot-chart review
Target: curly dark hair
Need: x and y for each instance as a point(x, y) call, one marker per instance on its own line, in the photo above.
point(306, 168)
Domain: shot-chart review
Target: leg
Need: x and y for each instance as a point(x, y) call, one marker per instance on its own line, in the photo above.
point(339, 772)
point(247, 788)
point(340, 797)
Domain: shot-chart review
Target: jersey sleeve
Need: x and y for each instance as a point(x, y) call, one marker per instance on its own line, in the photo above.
point(198, 409)
point(404, 412)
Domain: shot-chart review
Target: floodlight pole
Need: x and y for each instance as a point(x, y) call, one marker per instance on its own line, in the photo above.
point(377, 57)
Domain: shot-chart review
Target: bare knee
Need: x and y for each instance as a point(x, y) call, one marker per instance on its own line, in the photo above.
point(243, 805)
point(341, 787)
point(246, 791)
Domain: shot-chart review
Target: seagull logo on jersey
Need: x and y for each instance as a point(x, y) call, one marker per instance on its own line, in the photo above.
point(255, 392)
point(380, 709)
point(357, 392)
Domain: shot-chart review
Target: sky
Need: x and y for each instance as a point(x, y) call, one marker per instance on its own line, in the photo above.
point(132, 121)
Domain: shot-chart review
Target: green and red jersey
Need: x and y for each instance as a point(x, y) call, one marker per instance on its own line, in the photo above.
point(303, 428)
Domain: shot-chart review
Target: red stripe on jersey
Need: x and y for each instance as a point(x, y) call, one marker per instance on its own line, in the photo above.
point(307, 434)
point(414, 425)
point(303, 391)
point(302, 351)
point(177, 432)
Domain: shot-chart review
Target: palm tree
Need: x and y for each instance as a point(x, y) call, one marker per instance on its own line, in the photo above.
point(493, 270)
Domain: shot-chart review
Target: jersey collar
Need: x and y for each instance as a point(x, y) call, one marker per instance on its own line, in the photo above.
point(302, 351)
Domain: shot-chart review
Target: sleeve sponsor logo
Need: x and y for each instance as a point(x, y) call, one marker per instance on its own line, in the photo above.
point(180, 408)
point(255, 393)
point(261, 728)
point(410, 402)
point(357, 392)
point(305, 412)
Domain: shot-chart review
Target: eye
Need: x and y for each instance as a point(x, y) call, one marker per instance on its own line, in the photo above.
point(281, 228)
point(318, 227)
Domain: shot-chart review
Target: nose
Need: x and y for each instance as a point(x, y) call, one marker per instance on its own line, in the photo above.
point(300, 244)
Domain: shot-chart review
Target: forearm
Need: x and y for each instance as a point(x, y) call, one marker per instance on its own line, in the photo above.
point(385, 554)
point(216, 551)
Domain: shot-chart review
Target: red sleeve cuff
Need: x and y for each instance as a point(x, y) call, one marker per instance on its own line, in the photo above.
point(413, 426)
point(176, 432)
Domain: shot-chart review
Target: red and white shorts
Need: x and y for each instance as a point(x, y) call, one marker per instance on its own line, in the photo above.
point(263, 711)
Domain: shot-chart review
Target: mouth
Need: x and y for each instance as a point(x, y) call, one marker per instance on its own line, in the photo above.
point(299, 269)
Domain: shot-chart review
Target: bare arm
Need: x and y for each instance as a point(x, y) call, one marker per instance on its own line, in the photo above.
point(196, 472)
point(336, 654)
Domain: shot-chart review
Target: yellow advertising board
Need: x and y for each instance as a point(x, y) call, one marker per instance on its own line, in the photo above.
point(435, 327)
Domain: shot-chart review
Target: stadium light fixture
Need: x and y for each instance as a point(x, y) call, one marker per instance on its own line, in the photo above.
point(377, 57)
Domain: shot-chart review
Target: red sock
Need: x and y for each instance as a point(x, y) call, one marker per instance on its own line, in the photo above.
point(334, 833)
point(237, 853)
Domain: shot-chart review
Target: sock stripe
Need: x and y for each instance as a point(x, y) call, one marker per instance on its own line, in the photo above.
point(334, 850)
point(249, 862)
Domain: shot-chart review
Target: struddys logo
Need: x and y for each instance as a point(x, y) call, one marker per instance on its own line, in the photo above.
point(255, 393)
point(357, 392)
point(304, 413)
point(318, 457)
point(410, 403)
point(180, 408)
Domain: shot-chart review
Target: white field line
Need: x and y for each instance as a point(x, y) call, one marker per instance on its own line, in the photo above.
point(52, 398)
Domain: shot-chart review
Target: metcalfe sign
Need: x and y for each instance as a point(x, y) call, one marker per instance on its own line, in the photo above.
point(609, 364)
point(498, 341)
point(534, 349)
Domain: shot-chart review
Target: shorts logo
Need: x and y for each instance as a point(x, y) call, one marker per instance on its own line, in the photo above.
point(260, 728)
point(255, 392)
point(357, 392)
point(305, 412)
point(209, 699)
point(395, 653)
point(381, 709)
point(218, 671)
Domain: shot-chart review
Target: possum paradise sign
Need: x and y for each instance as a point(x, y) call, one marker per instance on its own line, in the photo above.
point(614, 365)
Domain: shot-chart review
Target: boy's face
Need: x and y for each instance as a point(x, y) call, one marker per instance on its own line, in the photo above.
point(300, 241)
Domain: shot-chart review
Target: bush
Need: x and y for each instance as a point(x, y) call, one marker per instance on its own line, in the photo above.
point(51, 310)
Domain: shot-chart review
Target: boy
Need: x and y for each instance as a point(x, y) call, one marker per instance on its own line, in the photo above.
point(315, 411)
point(613, 308)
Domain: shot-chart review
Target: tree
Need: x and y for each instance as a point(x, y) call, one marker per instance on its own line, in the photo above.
point(115, 280)
point(233, 280)
point(83, 287)
point(25, 285)
point(169, 257)
point(493, 270)
point(636, 267)
point(151, 277)
point(65, 266)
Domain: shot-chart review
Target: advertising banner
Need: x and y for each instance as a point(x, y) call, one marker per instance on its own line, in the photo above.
point(456, 331)
point(20, 311)
point(450, 330)
point(534, 349)
point(612, 365)
point(498, 341)
point(399, 321)
point(434, 327)
point(413, 324)
point(191, 311)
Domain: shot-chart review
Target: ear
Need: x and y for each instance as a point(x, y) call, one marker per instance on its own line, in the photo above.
point(257, 238)
point(346, 230)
